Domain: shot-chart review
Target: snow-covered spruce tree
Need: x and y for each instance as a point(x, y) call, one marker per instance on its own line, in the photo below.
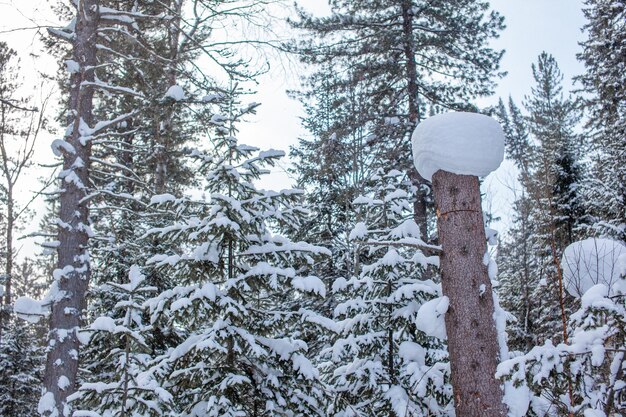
point(332, 167)
point(604, 85)
point(154, 62)
point(519, 271)
point(554, 188)
point(546, 150)
point(21, 365)
point(378, 361)
point(239, 287)
point(151, 89)
point(127, 384)
point(396, 60)
point(592, 362)
point(96, 59)
point(22, 350)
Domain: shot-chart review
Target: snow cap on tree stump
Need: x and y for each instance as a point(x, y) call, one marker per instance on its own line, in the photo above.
point(458, 142)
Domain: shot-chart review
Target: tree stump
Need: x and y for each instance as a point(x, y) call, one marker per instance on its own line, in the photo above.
point(470, 324)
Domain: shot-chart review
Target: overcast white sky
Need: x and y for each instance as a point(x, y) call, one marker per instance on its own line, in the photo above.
point(532, 26)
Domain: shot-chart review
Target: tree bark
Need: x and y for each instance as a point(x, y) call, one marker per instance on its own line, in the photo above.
point(420, 205)
point(164, 121)
point(8, 268)
point(470, 325)
point(72, 273)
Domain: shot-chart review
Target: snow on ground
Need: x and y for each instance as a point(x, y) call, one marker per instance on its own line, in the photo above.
point(458, 142)
point(592, 261)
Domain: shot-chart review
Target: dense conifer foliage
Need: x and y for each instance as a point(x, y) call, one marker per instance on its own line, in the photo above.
point(171, 283)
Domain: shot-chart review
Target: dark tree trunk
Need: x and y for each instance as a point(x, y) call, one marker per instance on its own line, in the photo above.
point(8, 269)
point(420, 205)
point(164, 132)
point(470, 324)
point(72, 275)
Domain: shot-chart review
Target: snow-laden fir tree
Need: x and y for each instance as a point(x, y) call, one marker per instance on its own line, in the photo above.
point(22, 350)
point(545, 147)
point(121, 380)
point(519, 272)
point(584, 376)
point(21, 368)
point(240, 285)
point(395, 61)
point(554, 188)
point(378, 361)
point(604, 84)
point(150, 95)
point(332, 166)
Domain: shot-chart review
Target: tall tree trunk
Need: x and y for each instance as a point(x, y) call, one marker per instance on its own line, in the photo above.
point(470, 324)
point(163, 126)
point(8, 271)
point(420, 205)
point(8, 268)
point(72, 275)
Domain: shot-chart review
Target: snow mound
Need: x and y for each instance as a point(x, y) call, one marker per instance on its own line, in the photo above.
point(176, 92)
point(28, 309)
point(431, 317)
point(590, 262)
point(458, 142)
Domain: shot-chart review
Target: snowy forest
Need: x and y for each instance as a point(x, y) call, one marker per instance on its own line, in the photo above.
point(169, 280)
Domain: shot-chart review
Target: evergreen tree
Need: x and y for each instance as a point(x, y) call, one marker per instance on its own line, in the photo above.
point(123, 381)
point(22, 350)
point(393, 62)
point(519, 272)
point(554, 188)
point(584, 376)
point(378, 362)
point(240, 285)
point(549, 210)
point(604, 85)
point(21, 368)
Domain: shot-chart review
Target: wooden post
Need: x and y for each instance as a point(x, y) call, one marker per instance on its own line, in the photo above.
point(470, 324)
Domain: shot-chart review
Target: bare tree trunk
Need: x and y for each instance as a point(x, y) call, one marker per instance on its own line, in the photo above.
point(470, 324)
point(72, 275)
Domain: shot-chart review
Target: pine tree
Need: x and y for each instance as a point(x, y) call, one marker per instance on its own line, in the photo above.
point(378, 362)
point(519, 272)
point(550, 211)
point(240, 284)
point(121, 380)
point(554, 187)
point(383, 57)
point(604, 85)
